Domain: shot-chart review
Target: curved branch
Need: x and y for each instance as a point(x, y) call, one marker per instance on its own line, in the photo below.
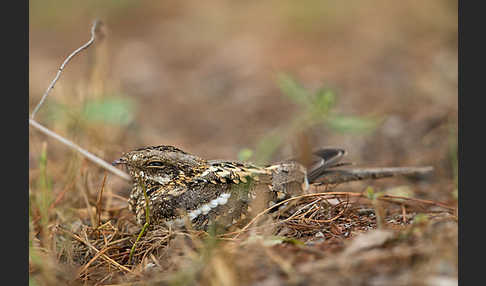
point(61, 68)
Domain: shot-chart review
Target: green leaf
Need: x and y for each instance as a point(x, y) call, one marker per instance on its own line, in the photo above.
point(352, 124)
point(370, 193)
point(245, 154)
point(324, 100)
point(113, 110)
point(293, 90)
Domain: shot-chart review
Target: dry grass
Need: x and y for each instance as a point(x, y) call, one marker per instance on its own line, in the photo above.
point(309, 236)
point(220, 79)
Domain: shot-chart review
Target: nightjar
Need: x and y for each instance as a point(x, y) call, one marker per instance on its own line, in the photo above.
point(182, 187)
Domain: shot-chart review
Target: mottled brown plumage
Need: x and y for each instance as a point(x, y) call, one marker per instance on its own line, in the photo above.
point(182, 187)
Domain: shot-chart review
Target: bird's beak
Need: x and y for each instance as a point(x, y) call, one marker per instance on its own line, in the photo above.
point(119, 161)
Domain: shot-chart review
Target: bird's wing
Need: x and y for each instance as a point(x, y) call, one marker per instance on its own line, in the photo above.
point(324, 159)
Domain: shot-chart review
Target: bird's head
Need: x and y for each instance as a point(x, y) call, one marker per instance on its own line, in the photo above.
point(160, 164)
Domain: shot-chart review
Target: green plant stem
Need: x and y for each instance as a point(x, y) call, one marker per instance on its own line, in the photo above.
point(146, 224)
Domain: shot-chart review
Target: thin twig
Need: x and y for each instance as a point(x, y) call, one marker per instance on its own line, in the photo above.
point(404, 214)
point(63, 140)
point(98, 202)
point(96, 23)
point(83, 152)
point(60, 196)
point(301, 209)
point(86, 200)
point(427, 202)
point(323, 220)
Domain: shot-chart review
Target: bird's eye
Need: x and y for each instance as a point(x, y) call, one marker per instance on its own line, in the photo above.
point(155, 164)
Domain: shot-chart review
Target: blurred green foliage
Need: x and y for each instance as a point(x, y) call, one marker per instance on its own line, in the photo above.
point(245, 154)
point(315, 104)
point(112, 110)
point(316, 108)
point(116, 110)
point(371, 194)
point(352, 124)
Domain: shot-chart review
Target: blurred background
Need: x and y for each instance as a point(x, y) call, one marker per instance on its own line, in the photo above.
point(252, 80)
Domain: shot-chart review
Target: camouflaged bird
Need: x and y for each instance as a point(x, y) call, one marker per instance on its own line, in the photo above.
point(182, 187)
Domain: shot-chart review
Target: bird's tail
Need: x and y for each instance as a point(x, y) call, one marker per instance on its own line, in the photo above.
point(323, 169)
point(347, 175)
